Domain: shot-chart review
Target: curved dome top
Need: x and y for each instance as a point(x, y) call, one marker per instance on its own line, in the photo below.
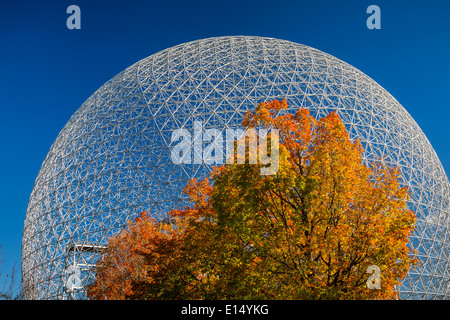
point(112, 159)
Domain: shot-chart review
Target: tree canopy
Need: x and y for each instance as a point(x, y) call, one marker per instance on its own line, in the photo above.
point(310, 231)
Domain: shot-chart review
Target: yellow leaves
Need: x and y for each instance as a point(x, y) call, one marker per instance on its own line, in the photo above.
point(310, 231)
point(354, 211)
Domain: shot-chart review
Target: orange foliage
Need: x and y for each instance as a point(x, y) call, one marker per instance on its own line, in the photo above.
point(308, 232)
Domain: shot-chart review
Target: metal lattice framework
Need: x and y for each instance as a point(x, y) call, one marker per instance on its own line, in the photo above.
point(112, 159)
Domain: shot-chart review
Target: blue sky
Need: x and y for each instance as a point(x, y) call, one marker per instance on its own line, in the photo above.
point(47, 71)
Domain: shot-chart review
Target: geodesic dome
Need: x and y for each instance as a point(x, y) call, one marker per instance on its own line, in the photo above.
point(112, 160)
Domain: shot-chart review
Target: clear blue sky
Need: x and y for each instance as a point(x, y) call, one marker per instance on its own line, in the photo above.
point(47, 71)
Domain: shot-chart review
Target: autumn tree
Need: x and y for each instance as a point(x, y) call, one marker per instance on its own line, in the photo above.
point(310, 231)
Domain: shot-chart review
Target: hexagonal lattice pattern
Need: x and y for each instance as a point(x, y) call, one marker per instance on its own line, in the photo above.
point(112, 159)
